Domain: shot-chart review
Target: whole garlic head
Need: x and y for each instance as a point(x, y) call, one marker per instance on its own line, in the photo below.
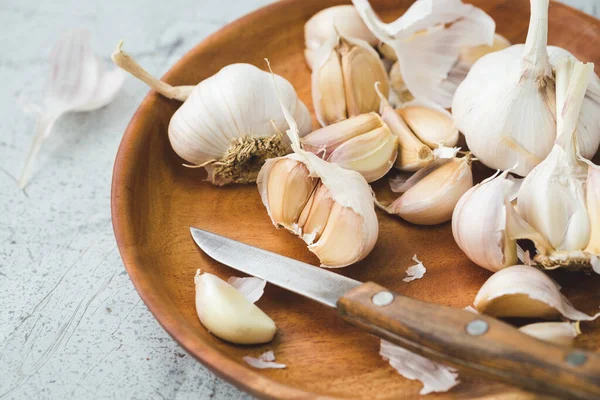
point(343, 79)
point(229, 123)
point(506, 107)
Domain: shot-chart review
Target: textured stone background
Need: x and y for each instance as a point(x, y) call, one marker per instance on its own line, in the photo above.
point(71, 324)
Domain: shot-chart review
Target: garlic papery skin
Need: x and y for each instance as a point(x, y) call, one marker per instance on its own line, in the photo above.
point(428, 39)
point(363, 143)
point(412, 153)
point(343, 76)
point(432, 124)
point(343, 20)
point(552, 197)
point(562, 333)
point(523, 291)
point(479, 224)
point(432, 200)
point(229, 122)
point(506, 105)
point(228, 314)
point(341, 225)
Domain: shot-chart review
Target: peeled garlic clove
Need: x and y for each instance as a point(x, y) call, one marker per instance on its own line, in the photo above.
point(343, 76)
point(479, 224)
point(372, 154)
point(227, 314)
point(593, 208)
point(287, 187)
point(433, 125)
point(555, 332)
point(522, 291)
point(412, 153)
point(343, 19)
point(325, 140)
point(432, 200)
point(229, 122)
point(469, 55)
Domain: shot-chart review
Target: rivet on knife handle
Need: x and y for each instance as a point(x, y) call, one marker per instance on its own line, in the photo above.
point(478, 343)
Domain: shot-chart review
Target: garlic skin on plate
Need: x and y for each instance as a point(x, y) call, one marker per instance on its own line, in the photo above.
point(363, 143)
point(506, 107)
point(343, 20)
point(552, 198)
point(343, 78)
point(229, 123)
point(336, 218)
point(428, 40)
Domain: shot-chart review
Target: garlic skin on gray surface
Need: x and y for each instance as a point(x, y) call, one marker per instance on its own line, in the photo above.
point(506, 107)
point(337, 219)
point(552, 198)
point(343, 20)
point(229, 123)
point(343, 78)
point(363, 143)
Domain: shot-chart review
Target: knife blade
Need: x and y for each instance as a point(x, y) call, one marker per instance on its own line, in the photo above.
point(478, 344)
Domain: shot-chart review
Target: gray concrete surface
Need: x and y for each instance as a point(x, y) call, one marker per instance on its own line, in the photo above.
point(71, 324)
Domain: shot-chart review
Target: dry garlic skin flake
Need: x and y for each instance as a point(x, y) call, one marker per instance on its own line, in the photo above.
point(228, 314)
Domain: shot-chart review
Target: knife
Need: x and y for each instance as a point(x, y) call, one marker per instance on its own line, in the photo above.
point(478, 344)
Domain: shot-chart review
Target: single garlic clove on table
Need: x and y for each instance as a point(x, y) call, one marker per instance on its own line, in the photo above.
point(526, 292)
point(344, 73)
point(228, 314)
point(229, 123)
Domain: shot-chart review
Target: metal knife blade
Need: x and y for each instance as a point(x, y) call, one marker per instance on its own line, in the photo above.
point(304, 279)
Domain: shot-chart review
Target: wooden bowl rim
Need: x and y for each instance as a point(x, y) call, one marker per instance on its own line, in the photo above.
point(244, 377)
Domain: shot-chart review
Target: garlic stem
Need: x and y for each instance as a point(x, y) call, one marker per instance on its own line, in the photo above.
point(125, 62)
point(535, 55)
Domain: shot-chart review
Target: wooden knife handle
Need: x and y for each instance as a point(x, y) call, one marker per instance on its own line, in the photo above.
point(480, 344)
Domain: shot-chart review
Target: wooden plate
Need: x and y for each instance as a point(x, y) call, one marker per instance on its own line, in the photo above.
point(155, 200)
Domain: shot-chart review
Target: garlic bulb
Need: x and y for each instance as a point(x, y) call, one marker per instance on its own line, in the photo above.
point(428, 39)
point(522, 291)
point(552, 198)
point(338, 221)
point(343, 77)
point(229, 123)
point(412, 153)
point(228, 314)
point(363, 143)
point(432, 124)
point(554, 332)
point(343, 20)
point(506, 105)
point(431, 200)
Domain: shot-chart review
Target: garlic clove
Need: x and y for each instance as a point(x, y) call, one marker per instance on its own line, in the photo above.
point(228, 314)
point(412, 153)
point(288, 187)
point(432, 200)
point(325, 140)
point(479, 224)
point(469, 55)
point(562, 333)
point(371, 154)
point(593, 208)
point(433, 125)
point(387, 51)
point(398, 85)
point(358, 66)
point(343, 20)
point(523, 291)
point(315, 215)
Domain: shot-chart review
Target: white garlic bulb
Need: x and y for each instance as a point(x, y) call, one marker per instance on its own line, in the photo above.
point(229, 123)
point(506, 105)
point(228, 314)
point(552, 198)
point(428, 40)
point(343, 20)
point(343, 79)
point(338, 220)
point(434, 192)
point(525, 292)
